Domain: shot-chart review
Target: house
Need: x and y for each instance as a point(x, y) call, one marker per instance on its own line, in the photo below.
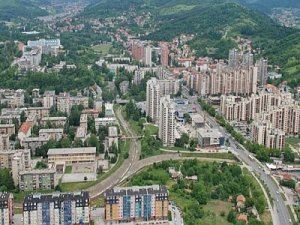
point(242, 218)
point(240, 201)
point(175, 174)
point(192, 178)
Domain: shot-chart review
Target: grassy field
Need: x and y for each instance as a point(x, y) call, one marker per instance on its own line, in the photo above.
point(68, 169)
point(98, 202)
point(102, 49)
point(151, 129)
point(210, 155)
point(176, 9)
point(266, 218)
point(293, 141)
point(213, 211)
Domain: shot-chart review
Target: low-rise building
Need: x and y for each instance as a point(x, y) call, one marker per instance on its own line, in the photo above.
point(112, 136)
point(143, 203)
point(56, 121)
point(34, 142)
point(6, 208)
point(40, 112)
point(104, 122)
point(25, 130)
point(124, 86)
point(210, 138)
point(7, 129)
point(54, 134)
point(197, 120)
point(30, 180)
point(58, 208)
point(71, 155)
point(4, 142)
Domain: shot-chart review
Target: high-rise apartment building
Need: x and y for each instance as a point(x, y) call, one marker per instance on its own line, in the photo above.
point(147, 56)
point(138, 204)
point(164, 54)
point(262, 74)
point(57, 209)
point(225, 80)
point(152, 99)
point(167, 121)
point(137, 51)
point(233, 58)
point(264, 134)
point(6, 208)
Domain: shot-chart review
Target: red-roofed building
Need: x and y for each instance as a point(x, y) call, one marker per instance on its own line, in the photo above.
point(25, 130)
point(242, 217)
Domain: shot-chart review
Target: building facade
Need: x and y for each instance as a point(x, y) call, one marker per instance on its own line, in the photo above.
point(71, 155)
point(167, 121)
point(57, 209)
point(6, 209)
point(136, 204)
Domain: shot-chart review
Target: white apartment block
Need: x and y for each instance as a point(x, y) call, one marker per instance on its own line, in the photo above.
point(167, 121)
point(104, 122)
point(54, 134)
point(152, 99)
point(56, 121)
point(264, 134)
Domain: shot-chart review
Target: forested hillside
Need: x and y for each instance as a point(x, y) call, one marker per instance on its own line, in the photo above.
point(267, 5)
point(11, 9)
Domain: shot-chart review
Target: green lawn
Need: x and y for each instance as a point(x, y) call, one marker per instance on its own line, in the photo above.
point(151, 129)
point(213, 211)
point(102, 49)
point(68, 169)
point(210, 155)
point(293, 141)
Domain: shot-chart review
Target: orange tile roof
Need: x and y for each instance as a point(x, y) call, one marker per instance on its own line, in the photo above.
point(242, 217)
point(26, 126)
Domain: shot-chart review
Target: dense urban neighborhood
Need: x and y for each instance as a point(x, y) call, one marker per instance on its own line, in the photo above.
point(149, 112)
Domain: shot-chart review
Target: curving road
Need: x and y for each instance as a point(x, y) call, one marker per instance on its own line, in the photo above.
point(132, 165)
point(121, 172)
point(280, 213)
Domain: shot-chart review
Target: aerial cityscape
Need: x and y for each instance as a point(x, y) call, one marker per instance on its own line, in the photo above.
point(144, 112)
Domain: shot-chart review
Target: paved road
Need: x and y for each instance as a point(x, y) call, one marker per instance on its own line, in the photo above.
point(280, 213)
point(120, 173)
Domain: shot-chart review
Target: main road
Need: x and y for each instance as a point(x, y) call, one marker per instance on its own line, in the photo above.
point(280, 213)
point(116, 177)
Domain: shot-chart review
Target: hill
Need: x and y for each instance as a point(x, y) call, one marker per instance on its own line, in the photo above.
point(267, 5)
point(216, 23)
point(10, 9)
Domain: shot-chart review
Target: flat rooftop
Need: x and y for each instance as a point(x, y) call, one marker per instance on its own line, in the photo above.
point(60, 151)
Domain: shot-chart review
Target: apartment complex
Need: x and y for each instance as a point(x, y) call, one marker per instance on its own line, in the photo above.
point(167, 121)
point(144, 203)
point(30, 180)
point(155, 90)
point(71, 155)
point(225, 80)
point(65, 102)
point(279, 109)
point(142, 53)
point(57, 209)
point(6, 208)
point(264, 134)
